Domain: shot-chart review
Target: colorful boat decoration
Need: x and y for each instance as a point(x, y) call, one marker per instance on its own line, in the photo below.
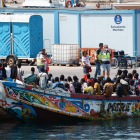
point(30, 104)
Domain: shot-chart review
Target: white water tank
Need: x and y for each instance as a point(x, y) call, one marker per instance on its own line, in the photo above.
point(65, 53)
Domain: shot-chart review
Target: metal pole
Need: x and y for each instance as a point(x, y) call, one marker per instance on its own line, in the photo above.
point(11, 43)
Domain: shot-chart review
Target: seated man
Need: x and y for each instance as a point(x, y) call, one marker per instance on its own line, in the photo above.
point(43, 78)
point(118, 75)
point(125, 85)
point(108, 87)
point(76, 84)
point(96, 87)
point(119, 88)
point(90, 80)
point(83, 84)
point(62, 79)
point(132, 90)
point(89, 89)
point(30, 77)
point(58, 84)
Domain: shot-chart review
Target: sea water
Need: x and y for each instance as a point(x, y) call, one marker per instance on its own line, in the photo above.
point(118, 129)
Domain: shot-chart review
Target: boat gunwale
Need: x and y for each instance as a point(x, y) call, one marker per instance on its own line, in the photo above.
point(83, 96)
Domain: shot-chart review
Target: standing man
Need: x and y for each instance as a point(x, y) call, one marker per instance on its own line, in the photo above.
point(98, 58)
point(106, 58)
point(40, 60)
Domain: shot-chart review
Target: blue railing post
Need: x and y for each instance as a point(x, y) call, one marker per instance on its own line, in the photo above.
point(56, 27)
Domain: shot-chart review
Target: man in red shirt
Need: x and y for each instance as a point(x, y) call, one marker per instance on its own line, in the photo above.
point(90, 80)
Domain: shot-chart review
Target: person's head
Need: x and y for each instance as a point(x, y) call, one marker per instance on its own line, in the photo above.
point(94, 80)
point(42, 51)
point(19, 65)
point(75, 78)
point(56, 79)
point(101, 45)
point(0, 65)
point(117, 80)
point(100, 78)
point(88, 76)
point(62, 77)
point(66, 80)
point(84, 53)
point(69, 79)
point(49, 76)
point(136, 75)
point(125, 72)
point(133, 72)
point(42, 69)
point(106, 47)
point(45, 55)
point(119, 72)
point(67, 86)
point(131, 82)
point(123, 76)
point(32, 69)
point(108, 80)
point(88, 83)
point(129, 75)
point(4, 65)
point(82, 81)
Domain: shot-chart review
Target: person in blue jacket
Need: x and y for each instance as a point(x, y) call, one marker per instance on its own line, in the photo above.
point(58, 84)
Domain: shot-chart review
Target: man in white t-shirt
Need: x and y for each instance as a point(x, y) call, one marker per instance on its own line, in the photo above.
point(43, 78)
point(8, 72)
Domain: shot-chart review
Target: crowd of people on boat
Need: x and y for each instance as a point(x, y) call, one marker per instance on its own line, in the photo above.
point(122, 84)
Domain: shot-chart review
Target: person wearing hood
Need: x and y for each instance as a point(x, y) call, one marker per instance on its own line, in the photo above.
point(106, 58)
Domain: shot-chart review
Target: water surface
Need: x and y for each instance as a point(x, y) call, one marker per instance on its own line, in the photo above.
point(119, 129)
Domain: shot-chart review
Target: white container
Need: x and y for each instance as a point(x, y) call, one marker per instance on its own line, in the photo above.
point(65, 53)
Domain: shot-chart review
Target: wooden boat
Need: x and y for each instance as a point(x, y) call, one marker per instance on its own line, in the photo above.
point(30, 104)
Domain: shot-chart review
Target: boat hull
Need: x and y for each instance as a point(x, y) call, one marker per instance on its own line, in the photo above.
point(30, 105)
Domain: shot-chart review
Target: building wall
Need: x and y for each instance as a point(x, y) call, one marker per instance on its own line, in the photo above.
point(138, 34)
point(101, 28)
point(87, 27)
point(68, 28)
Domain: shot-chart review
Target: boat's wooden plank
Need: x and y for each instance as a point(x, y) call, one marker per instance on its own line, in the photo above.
point(102, 97)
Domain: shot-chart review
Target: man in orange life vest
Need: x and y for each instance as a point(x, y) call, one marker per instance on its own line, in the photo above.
point(47, 61)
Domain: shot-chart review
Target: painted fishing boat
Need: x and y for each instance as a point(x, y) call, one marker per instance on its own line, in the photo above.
point(29, 104)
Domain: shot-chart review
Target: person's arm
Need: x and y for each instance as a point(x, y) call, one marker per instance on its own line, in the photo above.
point(97, 56)
point(85, 63)
point(94, 92)
point(93, 54)
point(54, 86)
point(42, 60)
point(86, 89)
point(104, 90)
